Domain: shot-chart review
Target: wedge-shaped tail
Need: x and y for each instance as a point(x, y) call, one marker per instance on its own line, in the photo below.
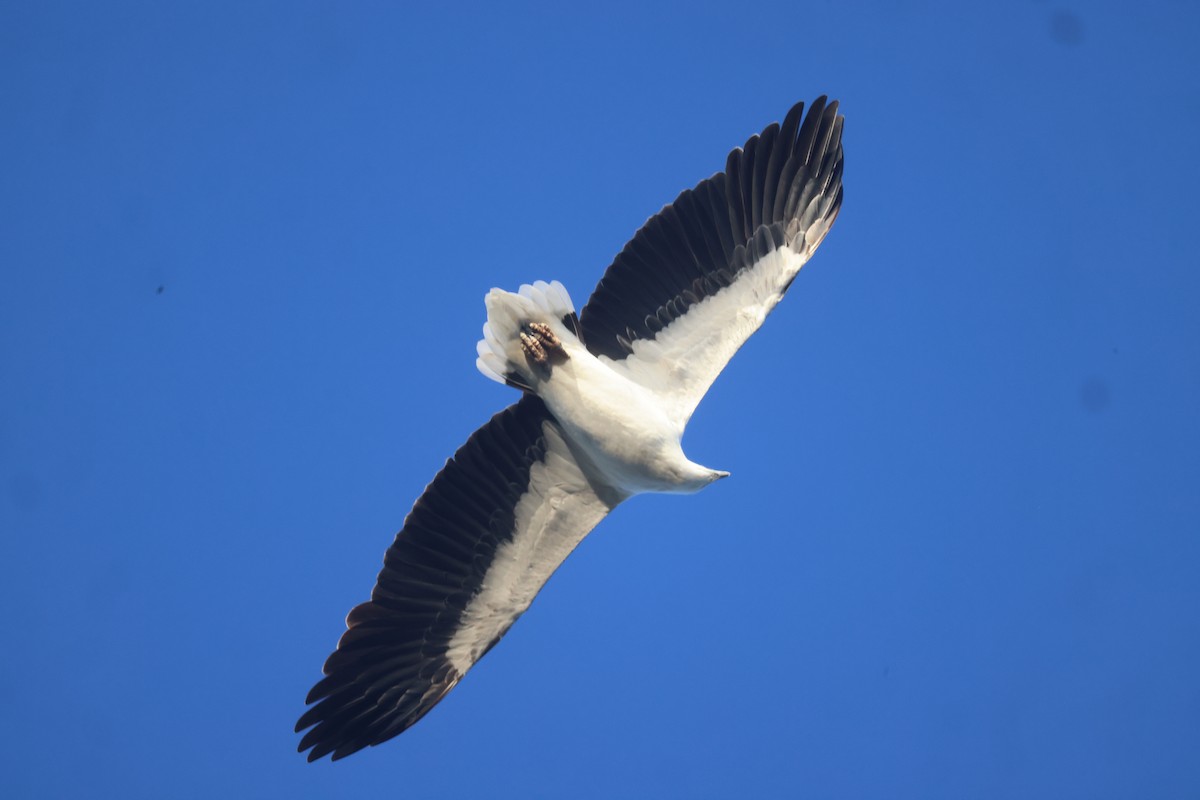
point(523, 334)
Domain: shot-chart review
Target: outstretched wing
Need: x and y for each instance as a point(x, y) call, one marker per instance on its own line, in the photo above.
point(479, 544)
point(701, 275)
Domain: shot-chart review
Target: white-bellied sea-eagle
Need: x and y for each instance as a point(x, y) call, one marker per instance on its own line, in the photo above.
point(606, 395)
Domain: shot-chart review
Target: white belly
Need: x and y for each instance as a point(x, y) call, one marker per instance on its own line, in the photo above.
point(620, 426)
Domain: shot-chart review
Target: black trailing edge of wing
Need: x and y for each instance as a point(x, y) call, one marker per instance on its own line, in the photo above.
point(390, 666)
point(698, 244)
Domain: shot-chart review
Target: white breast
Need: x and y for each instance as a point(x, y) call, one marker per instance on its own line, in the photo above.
point(621, 427)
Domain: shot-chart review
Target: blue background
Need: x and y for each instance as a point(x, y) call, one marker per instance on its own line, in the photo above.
point(244, 249)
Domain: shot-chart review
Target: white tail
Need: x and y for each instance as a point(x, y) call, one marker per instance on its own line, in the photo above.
point(500, 352)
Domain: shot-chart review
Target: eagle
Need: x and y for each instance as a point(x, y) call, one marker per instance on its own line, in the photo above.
point(606, 394)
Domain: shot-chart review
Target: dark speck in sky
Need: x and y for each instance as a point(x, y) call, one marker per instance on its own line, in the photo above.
point(1066, 27)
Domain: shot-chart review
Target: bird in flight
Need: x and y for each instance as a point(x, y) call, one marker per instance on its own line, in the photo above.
point(606, 395)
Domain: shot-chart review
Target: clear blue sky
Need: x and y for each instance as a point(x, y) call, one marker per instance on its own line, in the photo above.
point(244, 250)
